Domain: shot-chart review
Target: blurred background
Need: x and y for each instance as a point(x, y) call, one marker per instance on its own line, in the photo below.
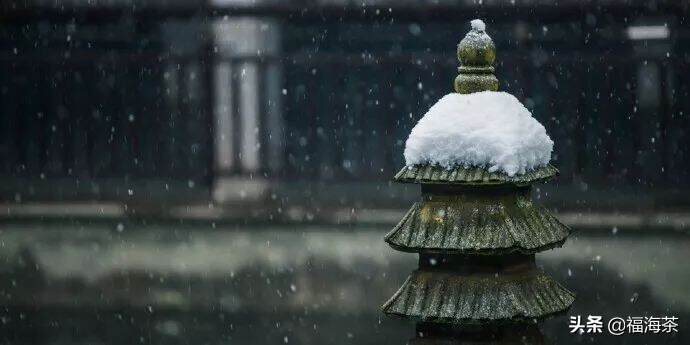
point(192, 171)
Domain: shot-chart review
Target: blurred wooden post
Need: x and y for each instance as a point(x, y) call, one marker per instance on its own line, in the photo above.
point(248, 123)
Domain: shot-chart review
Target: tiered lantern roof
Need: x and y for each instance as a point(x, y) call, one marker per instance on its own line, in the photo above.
point(476, 231)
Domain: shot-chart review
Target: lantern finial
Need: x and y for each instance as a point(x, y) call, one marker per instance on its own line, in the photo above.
point(476, 53)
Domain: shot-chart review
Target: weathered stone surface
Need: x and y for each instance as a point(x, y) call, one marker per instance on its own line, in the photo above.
point(435, 174)
point(476, 53)
point(470, 223)
point(447, 297)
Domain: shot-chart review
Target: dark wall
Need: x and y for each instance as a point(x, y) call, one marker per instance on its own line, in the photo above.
point(91, 109)
point(99, 104)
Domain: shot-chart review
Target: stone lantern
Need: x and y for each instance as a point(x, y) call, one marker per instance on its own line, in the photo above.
point(476, 232)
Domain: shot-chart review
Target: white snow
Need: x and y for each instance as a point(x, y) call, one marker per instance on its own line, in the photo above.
point(478, 24)
point(485, 129)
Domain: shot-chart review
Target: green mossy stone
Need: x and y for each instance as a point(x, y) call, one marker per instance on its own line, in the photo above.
point(447, 297)
point(472, 176)
point(470, 83)
point(476, 49)
point(477, 53)
point(474, 223)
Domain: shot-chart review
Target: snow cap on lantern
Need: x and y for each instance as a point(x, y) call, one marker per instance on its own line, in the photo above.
point(488, 129)
point(477, 127)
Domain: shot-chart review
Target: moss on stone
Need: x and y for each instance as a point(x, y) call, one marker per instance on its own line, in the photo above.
point(476, 223)
point(436, 174)
point(446, 297)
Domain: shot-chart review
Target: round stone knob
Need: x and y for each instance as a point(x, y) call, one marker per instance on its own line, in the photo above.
point(476, 53)
point(477, 48)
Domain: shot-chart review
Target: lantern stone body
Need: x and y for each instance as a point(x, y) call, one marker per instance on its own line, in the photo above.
point(495, 334)
point(476, 232)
